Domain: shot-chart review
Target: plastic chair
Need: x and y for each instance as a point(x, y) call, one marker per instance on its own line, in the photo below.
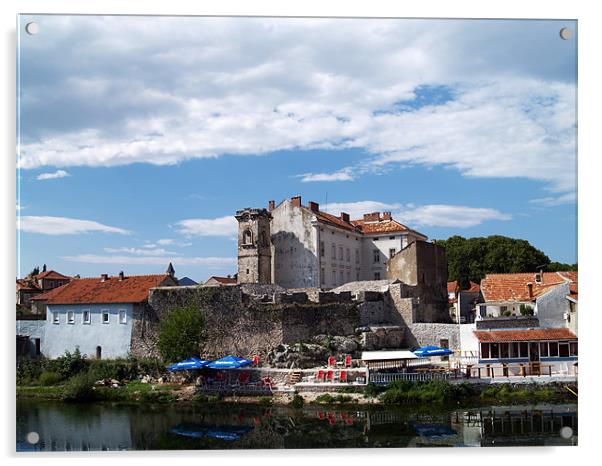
point(331, 361)
point(348, 361)
point(343, 376)
point(330, 376)
point(320, 376)
point(255, 360)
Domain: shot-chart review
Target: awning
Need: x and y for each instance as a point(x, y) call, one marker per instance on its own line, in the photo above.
point(387, 355)
point(190, 363)
point(427, 351)
point(229, 362)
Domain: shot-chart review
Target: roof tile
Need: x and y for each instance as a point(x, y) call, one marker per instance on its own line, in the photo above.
point(494, 336)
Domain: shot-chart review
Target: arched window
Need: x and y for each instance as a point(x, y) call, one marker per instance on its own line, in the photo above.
point(247, 237)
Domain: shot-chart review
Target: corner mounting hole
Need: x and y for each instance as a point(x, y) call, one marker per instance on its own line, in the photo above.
point(32, 28)
point(566, 33)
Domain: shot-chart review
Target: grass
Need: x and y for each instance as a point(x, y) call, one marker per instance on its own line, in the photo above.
point(327, 398)
point(506, 394)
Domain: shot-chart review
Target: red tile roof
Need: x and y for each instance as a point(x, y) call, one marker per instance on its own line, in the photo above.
point(452, 287)
point(383, 226)
point(507, 287)
point(336, 221)
point(51, 274)
point(223, 280)
point(27, 284)
point(132, 289)
point(573, 292)
point(494, 336)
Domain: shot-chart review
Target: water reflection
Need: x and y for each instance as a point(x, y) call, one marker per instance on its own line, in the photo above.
point(67, 427)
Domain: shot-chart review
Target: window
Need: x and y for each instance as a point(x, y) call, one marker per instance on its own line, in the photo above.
point(86, 317)
point(357, 256)
point(122, 316)
point(485, 350)
point(70, 317)
point(553, 349)
point(348, 255)
point(357, 276)
point(495, 350)
point(503, 309)
point(523, 347)
point(105, 317)
point(37, 342)
point(376, 275)
point(341, 253)
point(341, 274)
point(322, 277)
point(348, 275)
point(391, 237)
point(563, 349)
point(504, 350)
point(543, 349)
point(376, 255)
point(334, 278)
point(514, 350)
point(55, 317)
point(334, 251)
point(322, 249)
point(392, 252)
point(247, 237)
point(573, 348)
point(375, 239)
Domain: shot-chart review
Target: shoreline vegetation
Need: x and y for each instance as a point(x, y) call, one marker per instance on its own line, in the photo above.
point(72, 378)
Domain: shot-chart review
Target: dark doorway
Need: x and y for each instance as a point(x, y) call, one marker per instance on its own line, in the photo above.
point(98, 352)
point(38, 348)
point(533, 352)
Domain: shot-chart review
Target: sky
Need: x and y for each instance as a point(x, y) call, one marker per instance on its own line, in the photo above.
point(140, 137)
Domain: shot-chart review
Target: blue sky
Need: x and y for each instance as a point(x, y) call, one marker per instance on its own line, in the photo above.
point(136, 150)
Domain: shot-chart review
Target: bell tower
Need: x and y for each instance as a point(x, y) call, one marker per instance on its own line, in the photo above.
point(254, 248)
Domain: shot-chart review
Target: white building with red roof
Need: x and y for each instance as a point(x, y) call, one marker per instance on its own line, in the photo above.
point(97, 315)
point(313, 248)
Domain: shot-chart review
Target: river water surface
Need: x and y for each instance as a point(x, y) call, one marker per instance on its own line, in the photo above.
point(55, 426)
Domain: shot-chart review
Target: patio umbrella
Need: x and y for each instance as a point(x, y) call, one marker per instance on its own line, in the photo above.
point(229, 362)
point(427, 351)
point(190, 363)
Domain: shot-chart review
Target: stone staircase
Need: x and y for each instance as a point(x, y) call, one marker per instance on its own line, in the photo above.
point(294, 377)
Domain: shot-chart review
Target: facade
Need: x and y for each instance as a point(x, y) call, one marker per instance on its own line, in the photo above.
point(544, 293)
point(309, 248)
point(463, 303)
point(572, 298)
point(98, 315)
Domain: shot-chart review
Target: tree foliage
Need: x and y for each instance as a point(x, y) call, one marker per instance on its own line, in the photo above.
point(470, 259)
point(181, 334)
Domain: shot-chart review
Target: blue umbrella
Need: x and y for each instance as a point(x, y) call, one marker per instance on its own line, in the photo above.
point(190, 363)
point(427, 351)
point(229, 433)
point(229, 362)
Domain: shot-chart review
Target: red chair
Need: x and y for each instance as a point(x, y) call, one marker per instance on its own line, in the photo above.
point(343, 376)
point(255, 360)
point(243, 378)
point(321, 415)
point(349, 422)
point(320, 376)
point(330, 376)
point(331, 361)
point(267, 382)
point(348, 361)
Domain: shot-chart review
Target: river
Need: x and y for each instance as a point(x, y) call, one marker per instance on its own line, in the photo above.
point(55, 426)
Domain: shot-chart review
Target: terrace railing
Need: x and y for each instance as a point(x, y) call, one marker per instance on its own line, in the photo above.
point(384, 378)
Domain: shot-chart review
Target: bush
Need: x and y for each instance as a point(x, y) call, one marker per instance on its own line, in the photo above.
point(434, 391)
point(297, 402)
point(69, 364)
point(264, 401)
point(79, 388)
point(28, 371)
point(325, 398)
point(181, 334)
point(48, 378)
point(525, 310)
point(372, 390)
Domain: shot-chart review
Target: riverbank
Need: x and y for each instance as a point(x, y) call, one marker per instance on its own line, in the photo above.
point(406, 393)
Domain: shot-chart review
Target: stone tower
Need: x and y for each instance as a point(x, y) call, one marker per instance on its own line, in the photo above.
point(254, 248)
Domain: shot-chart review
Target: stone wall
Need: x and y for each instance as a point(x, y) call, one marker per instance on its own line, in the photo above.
point(423, 334)
point(32, 329)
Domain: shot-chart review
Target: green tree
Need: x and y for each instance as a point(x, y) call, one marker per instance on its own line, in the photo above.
point(473, 258)
point(181, 334)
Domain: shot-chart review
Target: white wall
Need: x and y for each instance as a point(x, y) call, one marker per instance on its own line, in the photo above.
point(114, 338)
point(344, 270)
point(551, 307)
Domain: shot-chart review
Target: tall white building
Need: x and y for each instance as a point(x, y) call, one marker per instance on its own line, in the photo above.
point(311, 248)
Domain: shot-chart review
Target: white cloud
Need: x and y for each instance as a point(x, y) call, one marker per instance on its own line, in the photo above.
point(52, 176)
point(223, 226)
point(341, 175)
point(253, 86)
point(151, 260)
point(357, 209)
point(552, 201)
point(64, 226)
point(441, 215)
point(165, 242)
point(144, 251)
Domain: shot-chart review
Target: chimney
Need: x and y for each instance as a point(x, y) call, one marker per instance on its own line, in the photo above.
point(373, 217)
point(530, 288)
point(121, 276)
point(271, 205)
point(104, 277)
point(313, 206)
point(345, 217)
point(386, 215)
point(296, 201)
